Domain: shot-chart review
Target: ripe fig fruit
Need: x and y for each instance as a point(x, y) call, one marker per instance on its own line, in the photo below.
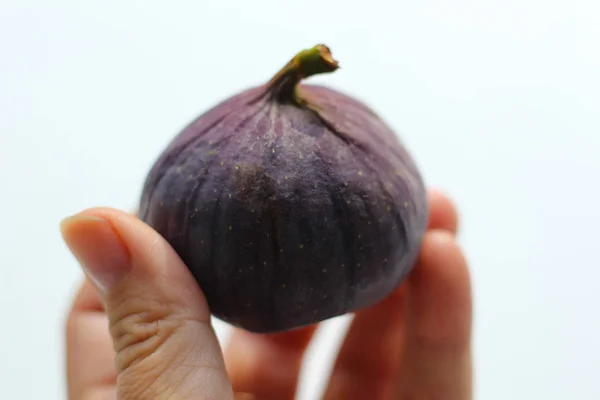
point(289, 203)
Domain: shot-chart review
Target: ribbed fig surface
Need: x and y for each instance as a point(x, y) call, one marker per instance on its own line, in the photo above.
point(290, 203)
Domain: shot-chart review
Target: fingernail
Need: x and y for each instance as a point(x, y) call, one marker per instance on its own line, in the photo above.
point(98, 249)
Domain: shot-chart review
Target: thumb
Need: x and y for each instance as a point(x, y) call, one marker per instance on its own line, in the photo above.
point(158, 317)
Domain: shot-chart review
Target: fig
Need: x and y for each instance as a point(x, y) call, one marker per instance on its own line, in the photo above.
point(289, 203)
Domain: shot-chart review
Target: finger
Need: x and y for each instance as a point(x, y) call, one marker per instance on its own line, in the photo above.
point(158, 318)
point(369, 357)
point(108, 392)
point(90, 355)
point(436, 362)
point(246, 354)
point(442, 212)
point(267, 365)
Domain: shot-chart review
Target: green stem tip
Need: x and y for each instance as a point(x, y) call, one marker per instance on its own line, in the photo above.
point(313, 61)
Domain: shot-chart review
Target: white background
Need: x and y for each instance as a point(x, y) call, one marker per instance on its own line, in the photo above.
point(498, 101)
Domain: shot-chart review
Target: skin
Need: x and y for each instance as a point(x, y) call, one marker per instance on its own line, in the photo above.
point(415, 344)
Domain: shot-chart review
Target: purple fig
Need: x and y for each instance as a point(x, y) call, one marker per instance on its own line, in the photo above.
point(289, 203)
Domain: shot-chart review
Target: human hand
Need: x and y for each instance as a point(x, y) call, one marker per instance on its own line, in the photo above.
point(413, 345)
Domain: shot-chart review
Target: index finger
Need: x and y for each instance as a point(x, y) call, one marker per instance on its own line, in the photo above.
point(90, 355)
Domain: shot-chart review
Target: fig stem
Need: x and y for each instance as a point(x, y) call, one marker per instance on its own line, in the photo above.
point(308, 62)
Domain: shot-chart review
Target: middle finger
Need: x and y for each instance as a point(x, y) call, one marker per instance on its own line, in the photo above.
point(267, 365)
point(370, 355)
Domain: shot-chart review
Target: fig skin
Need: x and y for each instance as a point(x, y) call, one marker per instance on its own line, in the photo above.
point(289, 203)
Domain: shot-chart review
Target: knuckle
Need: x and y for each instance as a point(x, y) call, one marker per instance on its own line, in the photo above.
point(158, 351)
point(140, 328)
